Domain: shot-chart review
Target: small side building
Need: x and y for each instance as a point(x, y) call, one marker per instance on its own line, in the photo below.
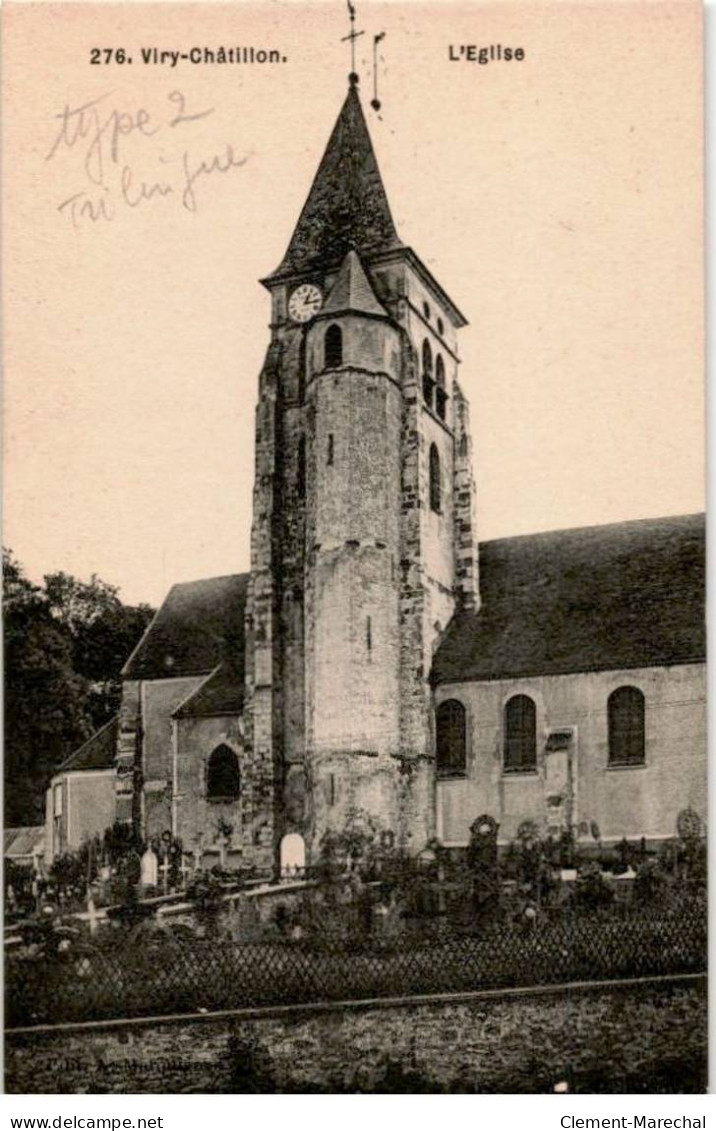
point(81, 799)
point(25, 846)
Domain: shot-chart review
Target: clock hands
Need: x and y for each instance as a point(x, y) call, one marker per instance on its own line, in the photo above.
point(305, 302)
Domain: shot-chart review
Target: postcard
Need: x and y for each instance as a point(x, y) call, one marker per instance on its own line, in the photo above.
point(354, 547)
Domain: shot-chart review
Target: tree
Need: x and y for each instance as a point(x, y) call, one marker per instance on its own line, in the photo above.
point(44, 697)
point(103, 632)
point(65, 643)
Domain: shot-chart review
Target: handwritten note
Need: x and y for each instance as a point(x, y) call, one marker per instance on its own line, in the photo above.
point(97, 136)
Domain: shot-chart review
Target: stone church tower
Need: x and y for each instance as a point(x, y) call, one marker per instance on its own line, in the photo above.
point(363, 538)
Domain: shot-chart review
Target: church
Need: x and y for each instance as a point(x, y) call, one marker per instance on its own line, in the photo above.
point(378, 662)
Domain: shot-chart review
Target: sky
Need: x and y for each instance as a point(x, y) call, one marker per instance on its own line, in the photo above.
point(558, 200)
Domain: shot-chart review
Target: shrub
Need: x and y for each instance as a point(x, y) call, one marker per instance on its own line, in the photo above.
point(651, 883)
point(18, 888)
point(340, 912)
point(357, 848)
point(591, 890)
point(567, 850)
point(72, 872)
point(126, 877)
point(120, 840)
point(693, 862)
point(206, 891)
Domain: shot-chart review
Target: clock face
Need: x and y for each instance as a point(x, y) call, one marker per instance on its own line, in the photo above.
point(305, 301)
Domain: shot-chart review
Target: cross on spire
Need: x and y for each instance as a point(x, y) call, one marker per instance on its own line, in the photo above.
point(376, 40)
point(352, 36)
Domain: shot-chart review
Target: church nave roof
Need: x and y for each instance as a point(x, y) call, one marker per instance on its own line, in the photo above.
point(221, 693)
point(200, 624)
point(595, 598)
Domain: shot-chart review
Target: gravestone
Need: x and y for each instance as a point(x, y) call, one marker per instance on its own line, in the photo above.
point(688, 825)
point(482, 861)
point(293, 855)
point(150, 869)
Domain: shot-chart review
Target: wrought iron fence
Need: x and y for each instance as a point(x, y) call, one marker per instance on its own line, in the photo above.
point(170, 974)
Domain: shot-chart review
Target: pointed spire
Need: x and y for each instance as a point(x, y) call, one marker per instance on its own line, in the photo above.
point(347, 206)
point(352, 291)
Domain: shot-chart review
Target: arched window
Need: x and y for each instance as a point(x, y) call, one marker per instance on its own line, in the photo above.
point(428, 382)
point(434, 479)
point(222, 779)
point(625, 708)
point(520, 734)
point(333, 346)
point(440, 371)
point(301, 468)
point(440, 392)
point(450, 739)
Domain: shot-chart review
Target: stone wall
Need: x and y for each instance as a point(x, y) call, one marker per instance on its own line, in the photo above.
point(129, 765)
point(352, 623)
point(353, 575)
point(159, 699)
point(89, 803)
point(260, 622)
point(465, 505)
point(629, 801)
point(432, 543)
point(417, 818)
point(196, 819)
point(638, 1038)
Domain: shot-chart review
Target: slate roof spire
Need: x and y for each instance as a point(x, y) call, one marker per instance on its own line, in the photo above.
point(352, 291)
point(347, 206)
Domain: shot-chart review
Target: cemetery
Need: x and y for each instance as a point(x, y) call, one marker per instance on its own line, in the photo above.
point(122, 929)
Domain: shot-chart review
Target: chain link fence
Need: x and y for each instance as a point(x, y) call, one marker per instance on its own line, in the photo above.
point(166, 973)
